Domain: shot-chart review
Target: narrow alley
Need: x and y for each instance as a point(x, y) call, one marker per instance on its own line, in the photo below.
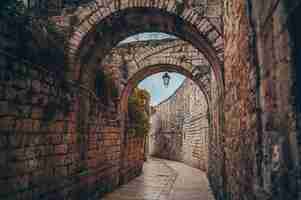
point(165, 180)
point(89, 89)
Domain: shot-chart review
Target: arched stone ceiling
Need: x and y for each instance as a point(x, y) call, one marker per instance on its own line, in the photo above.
point(100, 25)
point(161, 67)
point(136, 56)
point(98, 14)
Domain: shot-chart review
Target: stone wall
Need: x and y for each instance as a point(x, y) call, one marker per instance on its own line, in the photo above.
point(131, 58)
point(134, 158)
point(274, 29)
point(260, 129)
point(216, 151)
point(180, 129)
point(54, 131)
point(58, 140)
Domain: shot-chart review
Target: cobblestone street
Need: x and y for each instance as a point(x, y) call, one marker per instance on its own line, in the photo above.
point(165, 180)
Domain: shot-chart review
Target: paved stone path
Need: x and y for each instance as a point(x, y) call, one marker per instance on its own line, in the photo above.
point(165, 180)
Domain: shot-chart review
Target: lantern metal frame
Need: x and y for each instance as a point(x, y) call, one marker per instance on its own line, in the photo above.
point(166, 79)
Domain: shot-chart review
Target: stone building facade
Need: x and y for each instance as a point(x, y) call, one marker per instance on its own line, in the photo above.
point(180, 127)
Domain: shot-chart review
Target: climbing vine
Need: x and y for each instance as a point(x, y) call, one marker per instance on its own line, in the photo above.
point(40, 41)
point(139, 113)
point(180, 6)
point(58, 104)
point(12, 8)
point(105, 87)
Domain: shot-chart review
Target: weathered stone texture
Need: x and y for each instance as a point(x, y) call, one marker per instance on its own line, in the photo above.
point(87, 17)
point(260, 128)
point(128, 59)
point(278, 96)
point(240, 103)
point(134, 158)
point(58, 140)
point(216, 150)
point(179, 127)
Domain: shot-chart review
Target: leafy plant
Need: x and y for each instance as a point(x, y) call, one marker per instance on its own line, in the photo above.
point(12, 8)
point(105, 87)
point(61, 104)
point(138, 113)
point(15, 10)
point(50, 111)
point(180, 7)
point(39, 39)
point(83, 172)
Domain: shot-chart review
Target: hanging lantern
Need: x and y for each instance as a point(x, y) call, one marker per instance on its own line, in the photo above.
point(166, 79)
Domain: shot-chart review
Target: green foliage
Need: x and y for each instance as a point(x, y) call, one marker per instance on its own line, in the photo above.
point(138, 115)
point(50, 27)
point(50, 111)
point(83, 172)
point(12, 8)
point(179, 7)
point(105, 87)
point(59, 104)
point(15, 10)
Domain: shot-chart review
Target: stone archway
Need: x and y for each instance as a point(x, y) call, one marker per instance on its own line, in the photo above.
point(101, 26)
point(145, 72)
point(153, 69)
point(145, 60)
point(166, 56)
point(255, 106)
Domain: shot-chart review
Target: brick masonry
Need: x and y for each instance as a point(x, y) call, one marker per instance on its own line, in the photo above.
point(63, 146)
point(59, 142)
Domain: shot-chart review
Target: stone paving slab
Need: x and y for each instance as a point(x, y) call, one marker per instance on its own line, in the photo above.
point(165, 180)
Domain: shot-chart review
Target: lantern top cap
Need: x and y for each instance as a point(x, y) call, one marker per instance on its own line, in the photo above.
point(166, 75)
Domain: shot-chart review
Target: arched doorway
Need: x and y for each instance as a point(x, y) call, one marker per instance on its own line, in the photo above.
point(148, 71)
point(101, 26)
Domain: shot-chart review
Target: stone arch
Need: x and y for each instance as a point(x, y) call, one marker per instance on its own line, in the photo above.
point(160, 58)
point(145, 72)
point(161, 16)
point(161, 48)
point(96, 11)
point(156, 68)
point(164, 53)
point(167, 54)
point(101, 27)
point(200, 74)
